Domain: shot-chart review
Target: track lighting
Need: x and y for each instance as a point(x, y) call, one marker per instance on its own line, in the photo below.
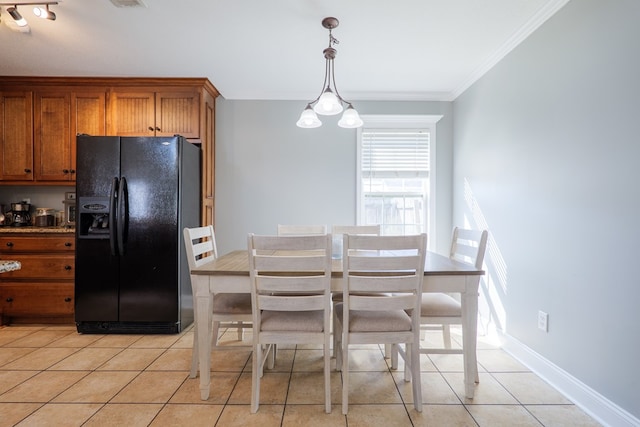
point(44, 13)
point(20, 21)
point(41, 10)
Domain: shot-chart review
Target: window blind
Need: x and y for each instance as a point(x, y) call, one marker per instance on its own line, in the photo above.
point(400, 153)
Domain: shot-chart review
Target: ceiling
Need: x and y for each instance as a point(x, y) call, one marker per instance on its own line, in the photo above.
point(272, 49)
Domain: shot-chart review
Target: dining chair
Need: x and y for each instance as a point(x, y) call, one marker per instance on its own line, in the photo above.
point(439, 310)
point(230, 310)
point(337, 231)
point(393, 265)
point(291, 298)
point(288, 230)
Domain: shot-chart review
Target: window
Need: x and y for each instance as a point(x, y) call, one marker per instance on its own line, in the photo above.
point(396, 173)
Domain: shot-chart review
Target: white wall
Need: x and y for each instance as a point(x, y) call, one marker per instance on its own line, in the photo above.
point(269, 171)
point(546, 153)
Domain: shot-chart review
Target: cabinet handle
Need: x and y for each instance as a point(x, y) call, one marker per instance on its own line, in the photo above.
point(73, 171)
point(151, 128)
point(9, 299)
point(65, 170)
point(67, 244)
point(67, 299)
point(27, 170)
point(10, 244)
point(67, 267)
point(158, 129)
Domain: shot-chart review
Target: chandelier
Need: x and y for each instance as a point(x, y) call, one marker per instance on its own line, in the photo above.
point(329, 102)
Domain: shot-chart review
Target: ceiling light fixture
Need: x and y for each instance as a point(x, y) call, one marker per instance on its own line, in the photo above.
point(329, 102)
point(20, 21)
point(44, 13)
point(41, 10)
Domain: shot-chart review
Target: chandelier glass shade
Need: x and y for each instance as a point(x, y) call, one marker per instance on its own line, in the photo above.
point(329, 102)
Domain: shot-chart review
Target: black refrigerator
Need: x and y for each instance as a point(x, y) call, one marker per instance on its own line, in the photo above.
point(134, 196)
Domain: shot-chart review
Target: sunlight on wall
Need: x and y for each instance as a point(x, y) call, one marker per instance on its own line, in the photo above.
point(492, 320)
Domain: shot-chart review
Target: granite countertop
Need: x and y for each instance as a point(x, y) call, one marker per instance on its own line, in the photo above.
point(7, 265)
point(33, 229)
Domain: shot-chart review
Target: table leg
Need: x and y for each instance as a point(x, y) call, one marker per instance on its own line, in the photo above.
point(203, 300)
point(470, 335)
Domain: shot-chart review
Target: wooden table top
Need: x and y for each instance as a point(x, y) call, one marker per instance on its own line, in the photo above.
point(236, 263)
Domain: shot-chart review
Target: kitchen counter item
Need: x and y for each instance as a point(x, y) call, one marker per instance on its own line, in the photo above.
point(45, 217)
point(7, 265)
point(20, 215)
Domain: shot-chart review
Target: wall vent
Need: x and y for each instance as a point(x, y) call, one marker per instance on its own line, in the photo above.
point(128, 3)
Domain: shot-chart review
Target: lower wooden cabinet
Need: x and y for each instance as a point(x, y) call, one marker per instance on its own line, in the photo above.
point(43, 289)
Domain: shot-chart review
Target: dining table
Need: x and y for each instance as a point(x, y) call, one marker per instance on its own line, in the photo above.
point(230, 274)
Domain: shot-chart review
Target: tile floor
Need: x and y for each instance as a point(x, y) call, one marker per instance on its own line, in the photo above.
point(52, 376)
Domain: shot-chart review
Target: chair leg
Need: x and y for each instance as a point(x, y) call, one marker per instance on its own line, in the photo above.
point(215, 331)
point(256, 373)
point(240, 330)
point(345, 379)
point(446, 336)
point(194, 355)
point(413, 353)
point(327, 377)
point(337, 346)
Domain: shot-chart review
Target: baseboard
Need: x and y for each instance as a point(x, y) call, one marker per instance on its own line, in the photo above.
point(597, 406)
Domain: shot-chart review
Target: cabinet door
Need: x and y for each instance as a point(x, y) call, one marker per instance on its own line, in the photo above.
point(36, 299)
point(16, 136)
point(208, 161)
point(177, 113)
point(52, 114)
point(132, 113)
point(88, 116)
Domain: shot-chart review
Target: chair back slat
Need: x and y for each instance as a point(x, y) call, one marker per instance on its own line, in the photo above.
point(283, 265)
point(200, 245)
point(468, 246)
point(373, 230)
point(290, 230)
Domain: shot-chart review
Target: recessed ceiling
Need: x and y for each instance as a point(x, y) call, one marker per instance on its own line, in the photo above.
point(272, 49)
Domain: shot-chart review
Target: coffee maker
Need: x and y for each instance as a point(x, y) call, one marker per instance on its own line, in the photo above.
point(20, 215)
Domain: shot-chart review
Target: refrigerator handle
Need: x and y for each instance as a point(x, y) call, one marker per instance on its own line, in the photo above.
point(113, 204)
point(121, 221)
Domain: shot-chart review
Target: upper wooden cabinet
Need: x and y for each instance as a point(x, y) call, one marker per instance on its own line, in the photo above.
point(16, 135)
point(40, 118)
point(58, 117)
point(134, 112)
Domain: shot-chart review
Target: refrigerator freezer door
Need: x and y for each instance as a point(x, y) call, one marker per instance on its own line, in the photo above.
point(149, 263)
point(96, 269)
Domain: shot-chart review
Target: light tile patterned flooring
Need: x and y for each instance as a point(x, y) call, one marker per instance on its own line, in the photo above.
point(52, 376)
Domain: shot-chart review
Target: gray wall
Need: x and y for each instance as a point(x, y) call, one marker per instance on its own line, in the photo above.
point(269, 171)
point(546, 153)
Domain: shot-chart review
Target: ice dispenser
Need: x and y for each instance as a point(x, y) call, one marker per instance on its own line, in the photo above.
point(94, 218)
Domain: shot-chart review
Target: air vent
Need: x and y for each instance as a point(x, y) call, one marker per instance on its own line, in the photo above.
point(128, 3)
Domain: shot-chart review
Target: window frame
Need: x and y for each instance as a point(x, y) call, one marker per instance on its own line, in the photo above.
point(423, 122)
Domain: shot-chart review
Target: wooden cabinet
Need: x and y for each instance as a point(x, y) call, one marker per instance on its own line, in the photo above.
point(44, 287)
point(134, 112)
point(58, 117)
point(40, 118)
point(16, 135)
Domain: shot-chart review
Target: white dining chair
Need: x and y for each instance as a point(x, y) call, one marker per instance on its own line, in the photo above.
point(230, 310)
point(393, 265)
point(338, 231)
point(439, 310)
point(290, 280)
point(289, 230)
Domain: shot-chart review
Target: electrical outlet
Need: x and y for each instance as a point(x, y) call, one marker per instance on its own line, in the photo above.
point(543, 321)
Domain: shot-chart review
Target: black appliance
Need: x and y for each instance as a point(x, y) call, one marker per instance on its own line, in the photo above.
point(134, 196)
